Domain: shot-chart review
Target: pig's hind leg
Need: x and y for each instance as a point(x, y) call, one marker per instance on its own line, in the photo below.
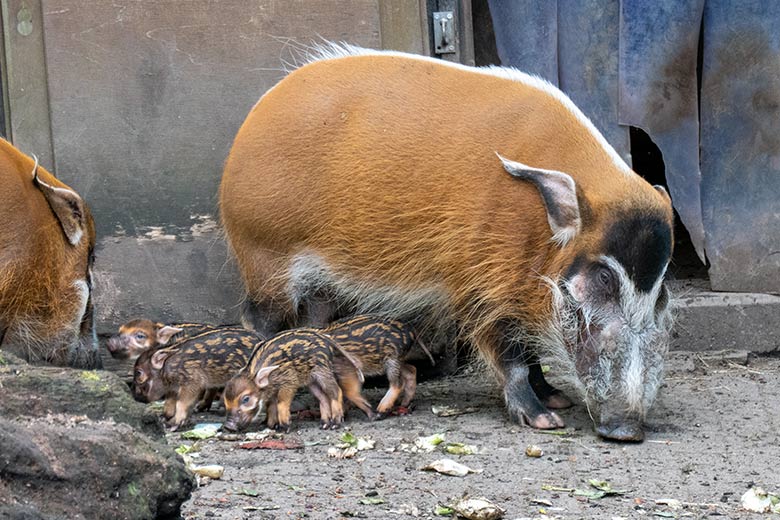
point(548, 394)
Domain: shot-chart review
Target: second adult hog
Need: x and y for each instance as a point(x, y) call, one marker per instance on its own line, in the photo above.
point(277, 369)
point(380, 346)
point(192, 369)
point(139, 335)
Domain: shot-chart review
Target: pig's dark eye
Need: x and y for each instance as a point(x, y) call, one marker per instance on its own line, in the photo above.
point(605, 277)
point(139, 374)
point(245, 399)
point(140, 336)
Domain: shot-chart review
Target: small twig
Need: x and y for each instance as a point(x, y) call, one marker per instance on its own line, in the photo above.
point(664, 442)
point(732, 364)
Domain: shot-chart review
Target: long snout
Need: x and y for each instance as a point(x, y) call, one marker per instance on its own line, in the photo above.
point(625, 431)
point(234, 424)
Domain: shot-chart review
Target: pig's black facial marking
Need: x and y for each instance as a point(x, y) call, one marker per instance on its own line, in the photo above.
point(642, 243)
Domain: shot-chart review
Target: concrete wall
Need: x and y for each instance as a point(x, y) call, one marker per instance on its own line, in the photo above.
point(145, 97)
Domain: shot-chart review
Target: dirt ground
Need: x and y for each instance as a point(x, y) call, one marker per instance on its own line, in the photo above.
point(713, 433)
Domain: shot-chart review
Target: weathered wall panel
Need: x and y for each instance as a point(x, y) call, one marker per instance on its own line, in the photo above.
point(724, 179)
point(588, 41)
point(659, 93)
point(28, 105)
point(145, 97)
point(527, 36)
point(740, 144)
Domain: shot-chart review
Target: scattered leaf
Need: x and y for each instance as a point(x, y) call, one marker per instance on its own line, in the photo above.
point(212, 471)
point(183, 449)
point(548, 487)
point(589, 494)
point(202, 431)
point(293, 487)
point(342, 453)
point(349, 438)
point(478, 509)
point(604, 486)
point(443, 510)
point(451, 411)
point(533, 451)
point(259, 436)
point(458, 448)
point(372, 501)
point(541, 502)
point(561, 433)
point(287, 443)
point(545, 369)
point(759, 501)
point(359, 443)
point(671, 502)
point(664, 514)
point(450, 467)
point(248, 492)
point(428, 444)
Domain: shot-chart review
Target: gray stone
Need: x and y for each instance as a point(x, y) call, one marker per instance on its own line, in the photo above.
point(707, 320)
point(73, 444)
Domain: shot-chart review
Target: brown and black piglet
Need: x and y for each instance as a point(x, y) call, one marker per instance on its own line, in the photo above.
point(278, 367)
point(380, 346)
point(190, 369)
point(139, 335)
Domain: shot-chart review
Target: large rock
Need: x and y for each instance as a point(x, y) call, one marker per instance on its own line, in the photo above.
point(73, 444)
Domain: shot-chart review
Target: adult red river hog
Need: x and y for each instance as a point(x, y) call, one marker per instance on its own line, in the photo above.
point(47, 238)
point(408, 186)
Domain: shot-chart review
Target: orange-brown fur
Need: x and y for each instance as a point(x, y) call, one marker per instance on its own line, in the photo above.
point(38, 266)
point(411, 194)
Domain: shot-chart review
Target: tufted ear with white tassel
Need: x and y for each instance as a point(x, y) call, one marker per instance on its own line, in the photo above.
point(66, 205)
point(559, 195)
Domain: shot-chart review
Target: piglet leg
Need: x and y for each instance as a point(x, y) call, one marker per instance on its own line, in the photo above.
point(325, 409)
point(284, 400)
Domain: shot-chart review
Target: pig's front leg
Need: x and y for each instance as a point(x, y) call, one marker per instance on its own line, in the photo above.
point(522, 403)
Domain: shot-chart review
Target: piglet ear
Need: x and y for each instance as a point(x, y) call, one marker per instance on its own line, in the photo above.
point(159, 357)
point(261, 378)
point(66, 205)
point(165, 334)
point(559, 195)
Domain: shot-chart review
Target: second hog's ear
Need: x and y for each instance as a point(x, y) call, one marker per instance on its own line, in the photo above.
point(66, 205)
point(159, 357)
point(559, 195)
point(665, 194)
point(261, 378)
point(165, 334)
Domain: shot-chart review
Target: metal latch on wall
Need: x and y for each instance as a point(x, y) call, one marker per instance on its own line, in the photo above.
point(444, 32)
